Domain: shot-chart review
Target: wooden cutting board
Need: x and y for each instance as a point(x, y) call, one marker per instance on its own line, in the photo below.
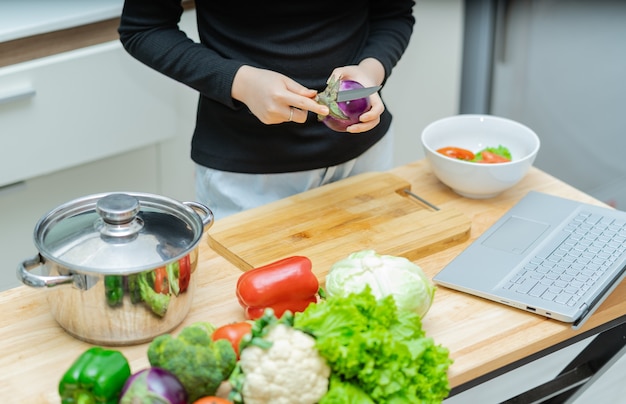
point(326, 224)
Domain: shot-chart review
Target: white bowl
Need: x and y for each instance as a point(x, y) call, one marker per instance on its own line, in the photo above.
point(475, 132)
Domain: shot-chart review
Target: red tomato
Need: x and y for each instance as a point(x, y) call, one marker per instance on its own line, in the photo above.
point(456, 153)
point(212, 400)
point(233, 332)
point(490, 158)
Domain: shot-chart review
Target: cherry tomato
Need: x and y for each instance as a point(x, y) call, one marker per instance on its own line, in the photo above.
point(490, 158)
point(456, 153)
point(233, 332)
point(212, 400)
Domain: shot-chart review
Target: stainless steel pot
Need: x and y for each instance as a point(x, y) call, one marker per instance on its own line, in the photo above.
point(119, 268)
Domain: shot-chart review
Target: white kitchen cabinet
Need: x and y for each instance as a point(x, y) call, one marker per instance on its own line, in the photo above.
point(76, 107)
point(81, 122)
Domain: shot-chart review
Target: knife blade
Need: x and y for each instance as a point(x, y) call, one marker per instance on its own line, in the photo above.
point(355, 94)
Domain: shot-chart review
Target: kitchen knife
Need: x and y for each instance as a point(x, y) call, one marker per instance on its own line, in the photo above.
point(355, 94)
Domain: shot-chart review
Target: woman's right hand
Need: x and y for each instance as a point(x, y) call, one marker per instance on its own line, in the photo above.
point(273, 97)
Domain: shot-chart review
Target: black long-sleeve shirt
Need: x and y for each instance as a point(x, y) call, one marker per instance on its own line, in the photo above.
point(305, 40)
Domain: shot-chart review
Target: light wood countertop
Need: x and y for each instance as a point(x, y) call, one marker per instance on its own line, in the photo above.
point(482, 336)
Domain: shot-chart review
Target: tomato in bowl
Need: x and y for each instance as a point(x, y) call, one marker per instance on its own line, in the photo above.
point(477, 133)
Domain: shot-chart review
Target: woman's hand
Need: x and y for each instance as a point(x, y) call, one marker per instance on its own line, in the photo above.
point(370, 72)
point(273, 97)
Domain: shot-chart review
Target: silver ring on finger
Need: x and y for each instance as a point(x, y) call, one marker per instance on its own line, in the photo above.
point(290, 114)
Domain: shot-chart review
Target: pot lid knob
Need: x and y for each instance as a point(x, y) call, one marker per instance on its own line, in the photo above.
point(118, 208)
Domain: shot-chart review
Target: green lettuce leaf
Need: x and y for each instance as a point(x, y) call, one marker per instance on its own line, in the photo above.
point(381, 351)
point(500, 150)
point(341, 392)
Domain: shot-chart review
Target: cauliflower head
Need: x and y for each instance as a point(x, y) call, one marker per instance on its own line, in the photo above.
point(290, 371)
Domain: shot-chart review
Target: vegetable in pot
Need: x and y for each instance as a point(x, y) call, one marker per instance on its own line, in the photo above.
point(386, 275)
point(278, 365)
point(157, 302)
point(156, 287)
point(342, 114)
point(152, 287)
point(153, 385)
point(133, 288)
point(199, 363)
point(284, 285)
point(114, 289)
point(97, 376)
point(161, 282)
point(173, 273)
point(375, 350)
point(184, 265)
point(174, 277)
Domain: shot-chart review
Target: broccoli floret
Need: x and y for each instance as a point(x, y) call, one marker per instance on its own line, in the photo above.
point(157, 302)
point(200, 364)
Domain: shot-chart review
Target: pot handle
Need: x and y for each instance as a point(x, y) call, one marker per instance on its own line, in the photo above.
point(207, 218)
point(36, 281)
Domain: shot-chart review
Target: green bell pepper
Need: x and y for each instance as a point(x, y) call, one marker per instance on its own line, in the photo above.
point(133, 288)
point(97, 376)
point(114, 289)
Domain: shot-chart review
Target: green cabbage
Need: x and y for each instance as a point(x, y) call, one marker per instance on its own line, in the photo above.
point(386, 275)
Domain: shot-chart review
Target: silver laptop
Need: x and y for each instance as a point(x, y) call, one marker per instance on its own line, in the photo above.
point(547, 255)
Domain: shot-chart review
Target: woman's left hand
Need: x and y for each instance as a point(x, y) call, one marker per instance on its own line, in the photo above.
point(369, 72)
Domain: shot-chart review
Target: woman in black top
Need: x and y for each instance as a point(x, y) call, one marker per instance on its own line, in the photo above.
point(257, 68)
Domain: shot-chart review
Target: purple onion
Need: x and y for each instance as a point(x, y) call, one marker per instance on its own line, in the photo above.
point(351, 110)
point(153, 385)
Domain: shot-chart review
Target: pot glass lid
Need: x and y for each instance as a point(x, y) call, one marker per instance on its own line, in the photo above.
point(118, 233)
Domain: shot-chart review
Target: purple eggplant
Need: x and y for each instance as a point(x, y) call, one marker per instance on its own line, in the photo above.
point(153, 385)
point(345, 113)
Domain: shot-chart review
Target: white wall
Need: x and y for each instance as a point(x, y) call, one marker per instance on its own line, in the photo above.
point(425, 85)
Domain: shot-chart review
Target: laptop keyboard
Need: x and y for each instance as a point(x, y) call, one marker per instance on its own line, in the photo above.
point(565, 272)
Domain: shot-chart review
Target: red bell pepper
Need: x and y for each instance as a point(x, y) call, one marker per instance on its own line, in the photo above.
point(174, 277)
point(184, 274)
point(281, 307)
point(286, 284)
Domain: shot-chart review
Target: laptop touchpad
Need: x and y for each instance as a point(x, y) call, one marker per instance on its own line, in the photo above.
point(515, 235)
